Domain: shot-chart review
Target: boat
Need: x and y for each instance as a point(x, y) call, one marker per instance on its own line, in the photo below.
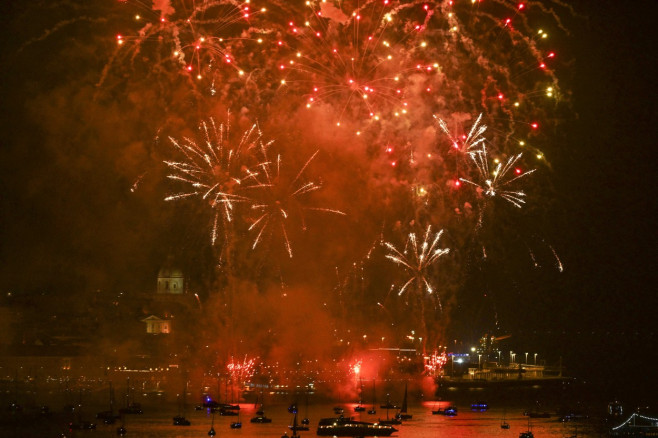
point(388, 404)
point(305, 420)
point(373, 411)
point(537, 414)
point(359, 407)
point(82, 425)
point(403, 415)
point(479, 406)
point(227, 412)
point(108, 416)
point(260, 417)
point(238, 424)
point(131, 406)
point(294, 426)
point(390, 421)
point(79, 424)
point(450, 411)
point(342, 426)
point(528, 433)
point(338, 410)
point(180, 420)
point(504, 424)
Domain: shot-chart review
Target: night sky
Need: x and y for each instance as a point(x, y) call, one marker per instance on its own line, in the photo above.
point(83, 187)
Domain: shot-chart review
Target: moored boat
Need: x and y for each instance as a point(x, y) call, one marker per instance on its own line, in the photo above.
point(342, 426)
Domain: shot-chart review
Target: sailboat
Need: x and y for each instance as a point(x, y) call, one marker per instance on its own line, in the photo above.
point(388, 420)
point(131, 406)
point(238, 424)
point(359, 407)
point(260, 414)
point(305, 420)
point(373, 411)
point(180, 420)
point(212, 432)
point(108, 416)
point(504, 424)
point(528, 433)
point(402, 415)
point(294, 427)
point(80, 424)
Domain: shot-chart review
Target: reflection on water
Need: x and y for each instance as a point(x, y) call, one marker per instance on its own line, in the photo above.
point(157, 422)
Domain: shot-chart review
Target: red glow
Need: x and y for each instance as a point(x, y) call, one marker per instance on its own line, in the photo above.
point(517, 171)
point(457, 183)
point(189, 68)
point(551, 55)
point(393, 163)
point(542, 65)
point(500, 96)
point(534, 125)
point(521, 6)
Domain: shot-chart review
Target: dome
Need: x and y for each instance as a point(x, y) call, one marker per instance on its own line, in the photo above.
point(170, 279)
point(170, 272)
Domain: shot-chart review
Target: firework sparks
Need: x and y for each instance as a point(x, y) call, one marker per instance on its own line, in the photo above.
point(353, 57)
point(203, 41)
point(466, 143)
point(493, 183)
point(241, 371)
point(215, 170)
point(417, 259)
point(279, 198)
point(435, 362)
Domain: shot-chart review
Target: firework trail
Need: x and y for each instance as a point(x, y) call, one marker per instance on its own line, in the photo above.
point(279, 198)
point(216, 171)
point(202, 40)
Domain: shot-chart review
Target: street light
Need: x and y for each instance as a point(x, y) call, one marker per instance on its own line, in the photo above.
point(535, 358)
point(526, 358)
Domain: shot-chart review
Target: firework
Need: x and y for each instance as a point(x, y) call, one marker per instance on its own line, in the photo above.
point(204, 41)
point(356, 58)
point(417, 259)
point(435, 362)
point(241, 371)
point(216, 171)
point(494, 182)
point(466, 143)
point(279, 198)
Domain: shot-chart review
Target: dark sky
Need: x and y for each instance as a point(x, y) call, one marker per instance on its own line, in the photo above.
point(70, 223)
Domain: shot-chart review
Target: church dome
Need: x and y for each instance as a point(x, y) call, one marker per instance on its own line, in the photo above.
point(170, 272)
point(170, 279)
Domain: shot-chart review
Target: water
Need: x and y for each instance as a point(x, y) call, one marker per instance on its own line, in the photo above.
point(157, 422)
